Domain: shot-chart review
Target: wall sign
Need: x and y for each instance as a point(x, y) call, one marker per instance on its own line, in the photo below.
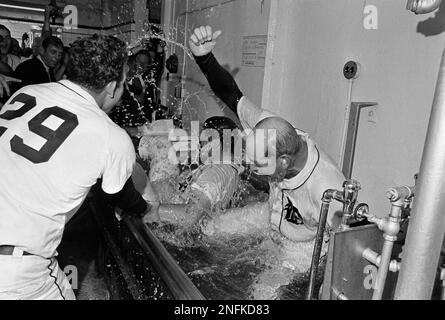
point(371, 17)
point(254, 51)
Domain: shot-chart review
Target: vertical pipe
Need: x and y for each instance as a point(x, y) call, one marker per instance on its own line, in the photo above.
point(317, 249)
point(442, 278)
point(427, 226)
point(181, 108)
point(345, 126)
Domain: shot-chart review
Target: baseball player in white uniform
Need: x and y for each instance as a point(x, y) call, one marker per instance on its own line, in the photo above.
point(56, 142)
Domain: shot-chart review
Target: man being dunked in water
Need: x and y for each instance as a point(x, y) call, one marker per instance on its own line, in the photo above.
point(298, 170)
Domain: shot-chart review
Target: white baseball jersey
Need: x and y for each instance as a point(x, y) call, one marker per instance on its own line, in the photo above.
point(55, 142)
point(303, 193)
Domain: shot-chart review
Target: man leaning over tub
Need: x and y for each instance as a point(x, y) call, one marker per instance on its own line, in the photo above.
point(301, 171)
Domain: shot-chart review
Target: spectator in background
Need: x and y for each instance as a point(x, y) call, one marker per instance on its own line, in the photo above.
point(156, 48)
point(56, 179)
point(5, 46)
point(15, 48)
point(140, 103)
point(129, 112)
point(4, 86)
point(25, 41)
point(46, 29)
point(5, 82)
point(40, 69)
point(151, 62)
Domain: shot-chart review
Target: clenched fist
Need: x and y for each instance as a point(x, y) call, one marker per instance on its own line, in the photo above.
point(203, 40)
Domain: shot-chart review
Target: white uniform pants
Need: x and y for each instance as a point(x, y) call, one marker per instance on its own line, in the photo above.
point(32, 278)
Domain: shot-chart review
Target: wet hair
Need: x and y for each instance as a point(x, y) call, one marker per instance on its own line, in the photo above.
point(15, 47)
point(131, 61)
point(5, 69)
point(96, 61)
point(27, 52)
point(3, 27)
point(288, 142)
point(52, 40)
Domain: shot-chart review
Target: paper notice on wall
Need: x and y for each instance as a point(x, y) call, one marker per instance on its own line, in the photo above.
point(254, 51)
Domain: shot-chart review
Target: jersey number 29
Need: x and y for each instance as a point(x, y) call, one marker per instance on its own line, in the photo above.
point(54, 138)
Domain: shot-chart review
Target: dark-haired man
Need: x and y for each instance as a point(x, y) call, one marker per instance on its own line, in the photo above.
point(40, 69)
point(56, 141)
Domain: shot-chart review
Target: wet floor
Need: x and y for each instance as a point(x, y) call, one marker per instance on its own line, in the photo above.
point(246, 268)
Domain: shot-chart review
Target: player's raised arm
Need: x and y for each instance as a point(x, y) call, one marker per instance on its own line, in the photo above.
point(202, 42)
point(4, 88)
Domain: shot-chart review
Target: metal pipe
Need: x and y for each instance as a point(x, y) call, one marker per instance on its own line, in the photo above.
point(328, 196)
point(427, 226)
point(376, 259)
point(442, 278)
point(423, 6)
